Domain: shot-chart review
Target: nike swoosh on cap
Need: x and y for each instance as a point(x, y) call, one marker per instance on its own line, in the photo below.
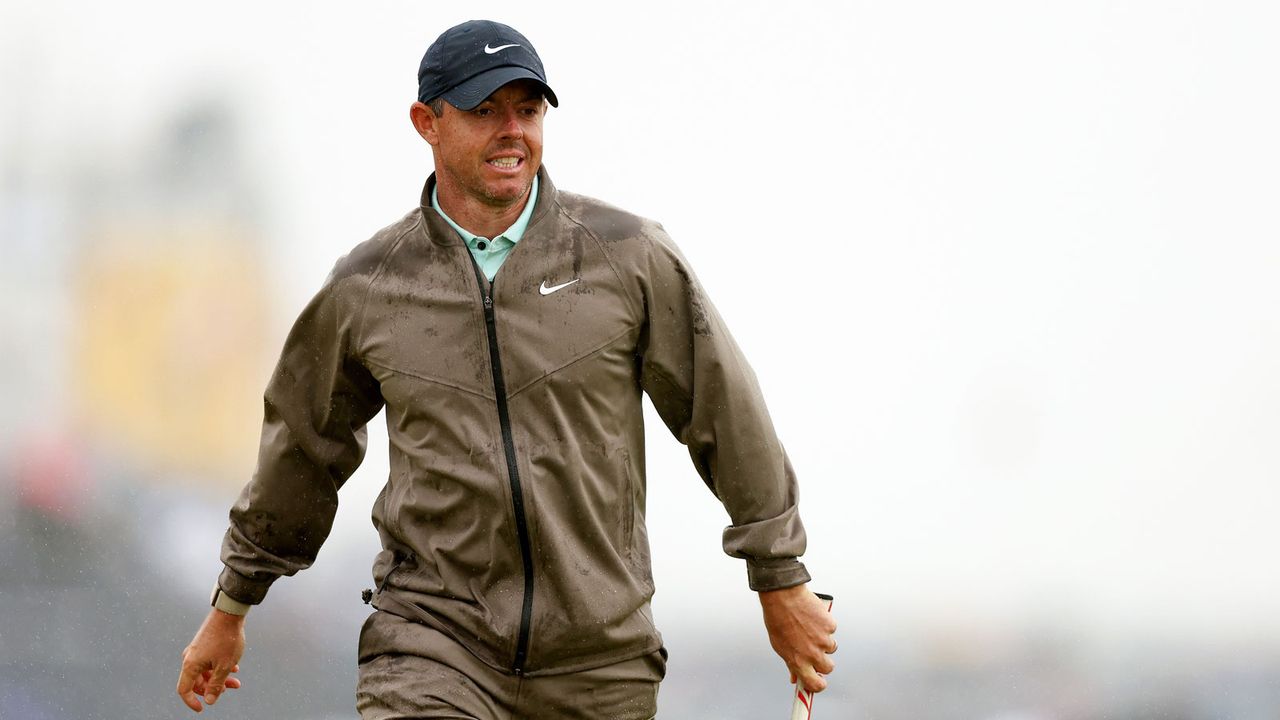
point(491, 50)
point(548, 290)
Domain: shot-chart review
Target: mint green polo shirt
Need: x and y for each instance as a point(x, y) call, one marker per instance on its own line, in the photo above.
point(490, 254)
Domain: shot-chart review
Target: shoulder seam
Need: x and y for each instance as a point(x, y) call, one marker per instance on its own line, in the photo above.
point(637, 306)
point(377, 273)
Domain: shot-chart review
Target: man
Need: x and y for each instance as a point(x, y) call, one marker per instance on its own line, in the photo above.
point(508, 328)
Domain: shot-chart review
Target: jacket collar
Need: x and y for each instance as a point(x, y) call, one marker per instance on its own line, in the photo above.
point(441, 233)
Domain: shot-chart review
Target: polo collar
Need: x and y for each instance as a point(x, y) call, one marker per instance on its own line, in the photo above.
point(541, 196)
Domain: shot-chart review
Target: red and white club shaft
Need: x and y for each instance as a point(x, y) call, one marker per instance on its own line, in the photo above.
point(802, 707)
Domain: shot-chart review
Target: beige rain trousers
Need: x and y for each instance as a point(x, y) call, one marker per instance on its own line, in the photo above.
point(409, 670)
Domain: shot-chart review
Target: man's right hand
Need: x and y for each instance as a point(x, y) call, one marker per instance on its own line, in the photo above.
point(214, 653)
point(802, 632)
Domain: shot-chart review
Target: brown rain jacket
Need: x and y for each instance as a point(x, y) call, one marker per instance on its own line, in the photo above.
point(513, 517)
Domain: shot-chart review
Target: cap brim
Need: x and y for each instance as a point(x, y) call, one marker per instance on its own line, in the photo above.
point(473, 92)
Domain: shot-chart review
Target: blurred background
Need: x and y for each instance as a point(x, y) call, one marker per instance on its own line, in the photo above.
point(1007, 273)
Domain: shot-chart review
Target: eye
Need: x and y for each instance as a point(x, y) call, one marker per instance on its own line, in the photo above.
point(482, 112)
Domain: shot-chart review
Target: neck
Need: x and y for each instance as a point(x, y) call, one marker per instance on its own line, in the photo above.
point(478, 217)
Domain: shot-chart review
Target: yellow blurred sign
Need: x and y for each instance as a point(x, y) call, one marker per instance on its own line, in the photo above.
point(169, 341)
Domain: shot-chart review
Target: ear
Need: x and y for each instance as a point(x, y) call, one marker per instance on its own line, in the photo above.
point(424, 121)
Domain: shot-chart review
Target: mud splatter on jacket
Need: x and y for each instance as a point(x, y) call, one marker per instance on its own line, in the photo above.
point(513, 516)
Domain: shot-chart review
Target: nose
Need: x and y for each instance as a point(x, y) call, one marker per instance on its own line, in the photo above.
point(511, 125)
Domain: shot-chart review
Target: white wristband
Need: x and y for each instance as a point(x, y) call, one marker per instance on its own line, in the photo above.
point(228, 604)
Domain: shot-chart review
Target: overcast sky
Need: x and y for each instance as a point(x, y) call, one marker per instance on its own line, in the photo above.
point(1007, 271)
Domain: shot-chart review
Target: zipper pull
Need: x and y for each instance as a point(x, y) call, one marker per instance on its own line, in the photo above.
point(488, 302)
point(367, 595)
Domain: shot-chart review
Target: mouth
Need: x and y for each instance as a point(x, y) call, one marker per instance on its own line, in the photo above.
point(505, 163)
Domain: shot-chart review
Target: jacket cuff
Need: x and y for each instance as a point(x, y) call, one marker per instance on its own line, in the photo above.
point(776, 574)
point(239, 587)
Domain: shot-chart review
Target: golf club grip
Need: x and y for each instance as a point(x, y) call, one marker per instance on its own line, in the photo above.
point(802, 704)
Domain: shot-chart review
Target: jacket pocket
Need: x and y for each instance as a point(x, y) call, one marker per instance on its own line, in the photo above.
point(630, 506)
point(393, 503)
point(635, 534)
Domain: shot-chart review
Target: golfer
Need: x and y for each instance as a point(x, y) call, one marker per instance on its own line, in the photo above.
point(509, 329)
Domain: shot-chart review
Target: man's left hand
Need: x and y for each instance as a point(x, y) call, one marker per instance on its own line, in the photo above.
point(801, 631)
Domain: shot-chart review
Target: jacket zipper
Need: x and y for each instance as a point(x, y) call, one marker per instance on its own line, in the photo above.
point(513, 473)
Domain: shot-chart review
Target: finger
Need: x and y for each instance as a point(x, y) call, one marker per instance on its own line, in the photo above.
point(793, 678)
point(217, 684)
point(202, 682)
point(825, 665)
point(832, 647)
point(192, 701)
point(813, 682)
point(186, 683)
point(233, 683)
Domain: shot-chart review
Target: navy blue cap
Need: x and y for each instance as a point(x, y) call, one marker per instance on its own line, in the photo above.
point(468, 62)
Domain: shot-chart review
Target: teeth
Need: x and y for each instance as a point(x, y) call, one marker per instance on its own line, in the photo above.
point(505, 162)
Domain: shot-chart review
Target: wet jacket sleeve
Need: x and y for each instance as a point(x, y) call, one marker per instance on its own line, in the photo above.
point(701, 385)
point(313, 437)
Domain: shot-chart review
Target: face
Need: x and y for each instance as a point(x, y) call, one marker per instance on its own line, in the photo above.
point(491, 152)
